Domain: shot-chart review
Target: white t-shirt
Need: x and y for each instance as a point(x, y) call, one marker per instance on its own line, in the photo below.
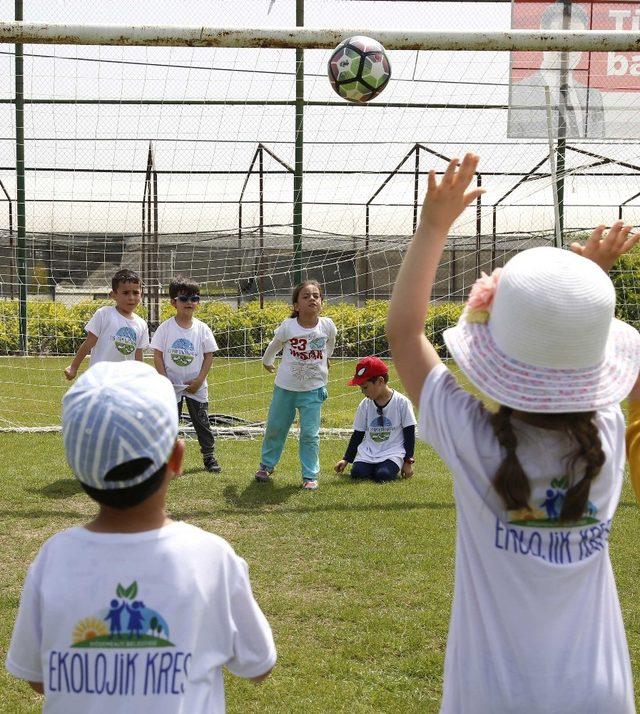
point(383, 441)
point(118, 336)
point(305, 351)
point(536, 625)
point(139, 622)
point(183, 350)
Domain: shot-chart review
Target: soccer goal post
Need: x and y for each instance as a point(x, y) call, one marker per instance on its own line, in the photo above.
point(223, 154)
point(312, 39)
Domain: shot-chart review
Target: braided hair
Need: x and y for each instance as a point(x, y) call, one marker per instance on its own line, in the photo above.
point(510, 480)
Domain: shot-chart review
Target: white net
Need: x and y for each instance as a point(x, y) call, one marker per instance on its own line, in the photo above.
point(181, 160)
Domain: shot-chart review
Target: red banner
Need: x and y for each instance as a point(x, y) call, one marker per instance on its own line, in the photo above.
point(609, 71)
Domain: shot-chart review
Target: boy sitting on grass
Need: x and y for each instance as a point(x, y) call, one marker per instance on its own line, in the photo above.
point(134, 612)
point(384, 429)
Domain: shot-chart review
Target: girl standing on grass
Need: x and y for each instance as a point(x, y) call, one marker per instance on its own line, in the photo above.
point(536, 625)
point(307, 341)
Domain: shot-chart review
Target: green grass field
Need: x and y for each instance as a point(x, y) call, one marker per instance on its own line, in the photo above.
point(356, 579)
point(33, 387)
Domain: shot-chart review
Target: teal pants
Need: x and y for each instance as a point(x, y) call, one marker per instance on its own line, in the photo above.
point(282, 412)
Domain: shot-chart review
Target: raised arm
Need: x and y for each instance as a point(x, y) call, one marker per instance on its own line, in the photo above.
point(603, 249)
point(413, 355)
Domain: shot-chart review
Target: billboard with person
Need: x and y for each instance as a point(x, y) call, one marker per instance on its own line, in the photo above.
point(591, 95)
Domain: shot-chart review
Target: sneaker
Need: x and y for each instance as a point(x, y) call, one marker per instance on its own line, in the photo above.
point(211, 464)
point(310, 484)
point(263, 474)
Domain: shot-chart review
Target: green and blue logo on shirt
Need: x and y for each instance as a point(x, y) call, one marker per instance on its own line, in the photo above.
point(127, 622)
point(125, 340)
point(182, 352)
point(122, 649)
point(380, 431)
point(549, 510)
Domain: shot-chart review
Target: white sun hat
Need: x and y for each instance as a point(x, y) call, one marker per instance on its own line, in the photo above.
point(540, 335)
point(115, 413)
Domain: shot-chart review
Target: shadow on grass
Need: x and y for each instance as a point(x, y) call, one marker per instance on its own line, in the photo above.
point(259, 494)
point(254, 498)
point(347, 481)
point(317, 508)
point(62, 488)
point(33, 513)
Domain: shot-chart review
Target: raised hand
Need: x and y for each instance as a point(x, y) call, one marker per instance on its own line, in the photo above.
point(446, 200)
point(605, 249)
point(413, 355)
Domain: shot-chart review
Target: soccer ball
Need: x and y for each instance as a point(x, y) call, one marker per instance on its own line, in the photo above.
point(359, 69)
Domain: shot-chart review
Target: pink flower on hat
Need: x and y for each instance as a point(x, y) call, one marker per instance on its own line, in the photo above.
point(478, 307)
point(483, 291)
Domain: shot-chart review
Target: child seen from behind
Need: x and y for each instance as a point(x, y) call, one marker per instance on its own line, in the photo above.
point(536, 624)
point(134, 612)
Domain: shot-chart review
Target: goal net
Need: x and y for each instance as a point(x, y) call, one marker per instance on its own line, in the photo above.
point(240, 167)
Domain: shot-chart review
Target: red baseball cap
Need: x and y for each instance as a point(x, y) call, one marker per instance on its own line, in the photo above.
point(366, 369)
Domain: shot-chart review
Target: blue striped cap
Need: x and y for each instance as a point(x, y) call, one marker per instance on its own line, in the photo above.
point(117, 412)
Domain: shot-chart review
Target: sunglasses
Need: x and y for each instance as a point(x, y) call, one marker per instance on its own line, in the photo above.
point(380, 415)
point(188, 298)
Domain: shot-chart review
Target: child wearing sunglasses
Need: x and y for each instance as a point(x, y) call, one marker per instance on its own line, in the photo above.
point(384, 428)
point(183, 348)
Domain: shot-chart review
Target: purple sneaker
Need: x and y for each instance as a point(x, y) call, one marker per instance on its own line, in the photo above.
point(263, 474)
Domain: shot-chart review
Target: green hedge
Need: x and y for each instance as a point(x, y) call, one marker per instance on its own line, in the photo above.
point(54, 329)
point(626, 279)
